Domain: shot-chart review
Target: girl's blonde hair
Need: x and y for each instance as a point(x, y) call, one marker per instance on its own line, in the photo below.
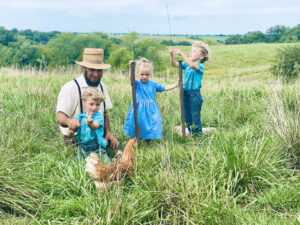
point(204, 50)
point(143, 62)
point(94, 94)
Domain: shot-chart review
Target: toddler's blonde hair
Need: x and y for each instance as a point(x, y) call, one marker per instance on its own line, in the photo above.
point(143, 62)
point(204, 50)
point(94, 94)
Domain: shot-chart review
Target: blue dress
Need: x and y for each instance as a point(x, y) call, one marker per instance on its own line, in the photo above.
point(149, 118)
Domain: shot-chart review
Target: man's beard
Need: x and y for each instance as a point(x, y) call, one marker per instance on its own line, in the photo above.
point(89, 82)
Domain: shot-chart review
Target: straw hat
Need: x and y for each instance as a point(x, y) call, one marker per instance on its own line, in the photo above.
point(93, 59)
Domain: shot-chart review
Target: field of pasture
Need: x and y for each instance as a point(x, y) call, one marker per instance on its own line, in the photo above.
point(245, 172)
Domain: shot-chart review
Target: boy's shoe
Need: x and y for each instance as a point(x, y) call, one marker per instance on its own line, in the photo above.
point(178, 130)
point(205, 130)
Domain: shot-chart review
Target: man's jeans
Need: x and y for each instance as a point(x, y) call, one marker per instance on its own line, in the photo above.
point(192, 103)
point(85, 148)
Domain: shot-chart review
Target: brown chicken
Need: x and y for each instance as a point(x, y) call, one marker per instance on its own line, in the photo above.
point(105, 176)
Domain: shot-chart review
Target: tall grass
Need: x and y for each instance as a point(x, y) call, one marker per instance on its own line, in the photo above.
point(246, 172)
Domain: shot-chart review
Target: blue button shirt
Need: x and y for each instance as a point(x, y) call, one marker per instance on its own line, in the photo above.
point(192, 78)
point(85, 133)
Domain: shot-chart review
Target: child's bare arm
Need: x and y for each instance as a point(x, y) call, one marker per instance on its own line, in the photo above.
point(91, 124)
point(172, 60)
point(172, 86)
point(190, 63)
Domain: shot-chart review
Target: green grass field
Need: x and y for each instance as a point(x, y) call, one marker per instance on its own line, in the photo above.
point(245, 172)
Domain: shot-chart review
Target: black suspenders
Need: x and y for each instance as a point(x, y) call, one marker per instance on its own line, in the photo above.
point(79, 91)
point(104, 106)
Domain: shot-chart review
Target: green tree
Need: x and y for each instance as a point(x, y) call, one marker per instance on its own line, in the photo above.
point(234, 39)
point(6, 55)
point(119, 59)
point(6, 36)
point(26, 54)
point(94, 40)
point(273, 34)
point(151, 50)
point(130, 41)
point(291, 35)
point(254, 37)
point(60, 50)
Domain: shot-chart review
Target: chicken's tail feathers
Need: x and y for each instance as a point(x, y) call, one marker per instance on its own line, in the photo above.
point(91, 165)
point(128, 152)
point(133, 141)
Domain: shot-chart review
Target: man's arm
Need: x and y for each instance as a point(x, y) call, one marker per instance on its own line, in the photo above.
point(65, 121)
point(108, 135)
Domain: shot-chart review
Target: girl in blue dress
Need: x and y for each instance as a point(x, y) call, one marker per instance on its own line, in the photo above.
point(149, 118)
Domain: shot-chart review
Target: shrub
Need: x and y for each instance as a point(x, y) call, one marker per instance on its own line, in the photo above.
point(287, 62)
point(119, 59)
point(210, 41)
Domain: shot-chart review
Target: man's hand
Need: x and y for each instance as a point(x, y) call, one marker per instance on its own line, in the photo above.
point(73, 124)
point(113, 141)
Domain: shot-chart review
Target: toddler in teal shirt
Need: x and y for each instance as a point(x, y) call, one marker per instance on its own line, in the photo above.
point(90, 134)
point(193, 73)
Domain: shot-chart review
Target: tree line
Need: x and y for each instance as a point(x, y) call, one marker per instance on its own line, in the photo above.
point(52, 49)
point(275, 34)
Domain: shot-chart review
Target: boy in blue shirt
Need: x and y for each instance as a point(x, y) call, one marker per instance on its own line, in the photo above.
point(90, 134)
point(193, 73)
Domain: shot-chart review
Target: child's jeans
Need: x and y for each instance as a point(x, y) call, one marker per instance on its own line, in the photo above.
point(192, 103)
point(85, 148)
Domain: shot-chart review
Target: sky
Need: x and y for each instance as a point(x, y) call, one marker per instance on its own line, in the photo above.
point(149, 16)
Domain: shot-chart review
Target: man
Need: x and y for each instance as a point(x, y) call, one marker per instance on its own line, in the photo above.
point(69, 104)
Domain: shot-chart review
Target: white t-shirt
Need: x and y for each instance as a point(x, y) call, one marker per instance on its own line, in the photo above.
point(69, 103)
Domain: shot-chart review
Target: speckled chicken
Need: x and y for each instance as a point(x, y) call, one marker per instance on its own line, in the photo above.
point(105, 176)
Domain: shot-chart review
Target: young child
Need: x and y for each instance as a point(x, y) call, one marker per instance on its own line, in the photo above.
point(193, 73)
point(90, 134)
point(149, 118)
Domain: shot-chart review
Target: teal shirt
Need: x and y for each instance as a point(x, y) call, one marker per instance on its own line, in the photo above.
point(85, 133)
point(190, 75)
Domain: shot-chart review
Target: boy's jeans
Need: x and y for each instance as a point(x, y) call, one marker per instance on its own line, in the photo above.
point(85, 148)
point(192, 103)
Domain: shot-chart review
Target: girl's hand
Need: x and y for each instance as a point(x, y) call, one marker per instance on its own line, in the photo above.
point(89, 121)
point(130, 62)
point(171, 50)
